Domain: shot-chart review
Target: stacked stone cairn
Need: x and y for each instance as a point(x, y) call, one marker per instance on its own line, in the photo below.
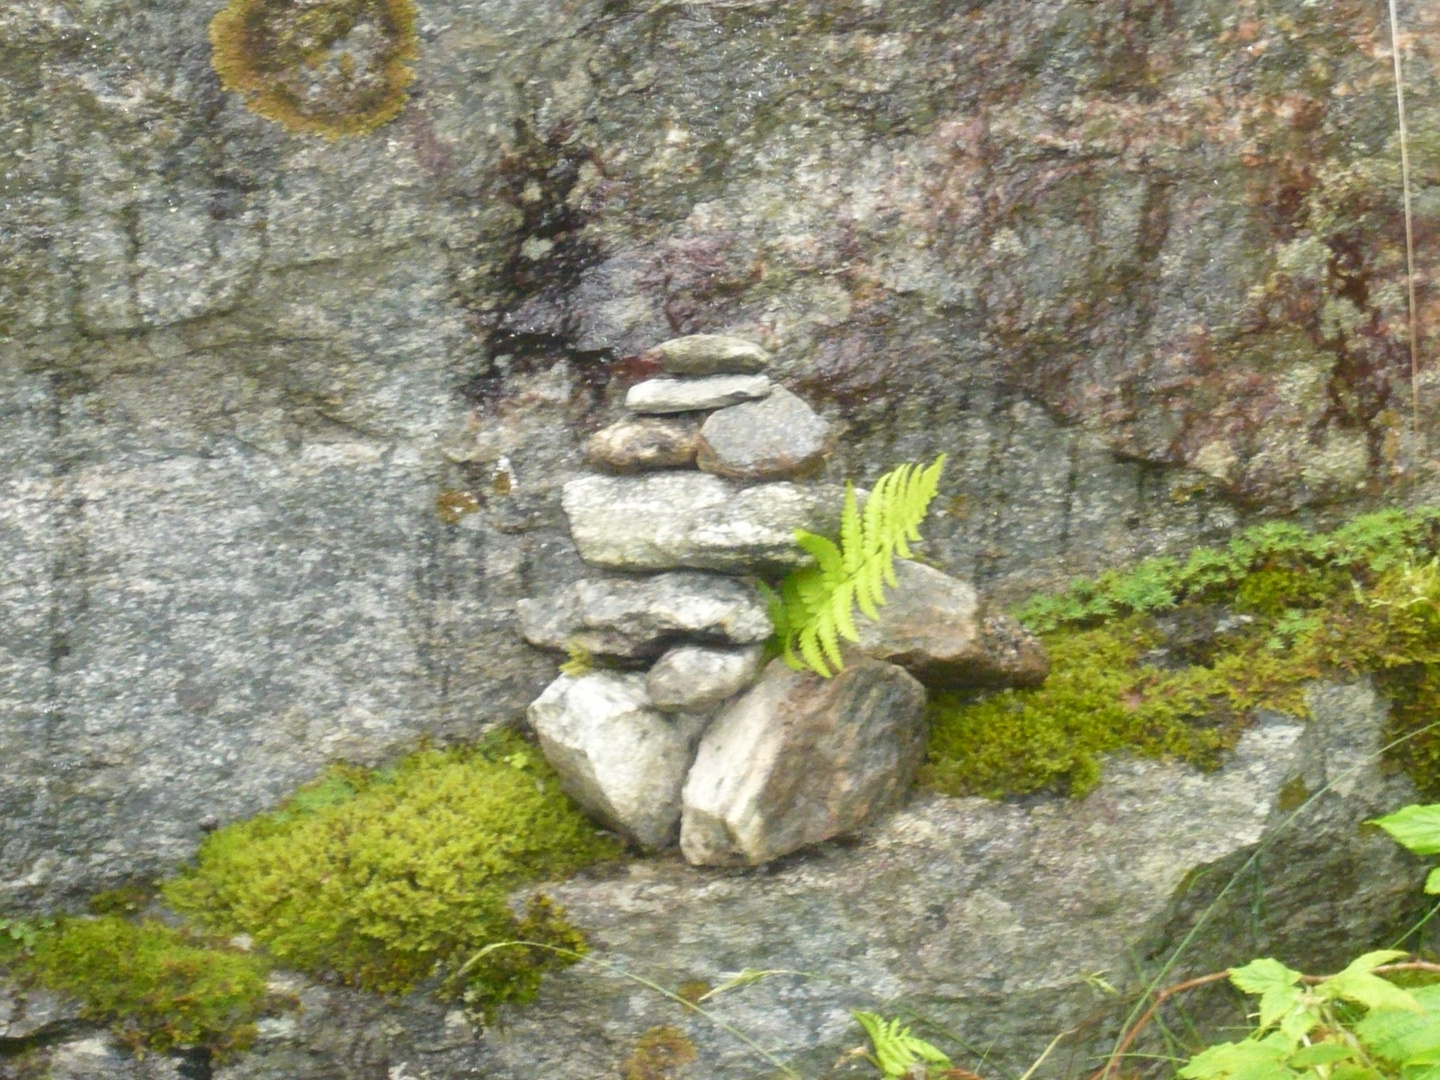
point(677, 731)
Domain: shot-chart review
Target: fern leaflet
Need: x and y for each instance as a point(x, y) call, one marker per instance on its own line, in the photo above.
point(813, 611)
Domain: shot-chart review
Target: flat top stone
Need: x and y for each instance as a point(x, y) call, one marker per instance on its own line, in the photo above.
point(692, 395)
point(710, 354)
point(773, 439)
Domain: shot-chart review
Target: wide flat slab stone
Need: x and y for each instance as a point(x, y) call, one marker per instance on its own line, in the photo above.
point(668, 521)
point(639, 618)
point(934, 626)
point(778, 438)
point(799, 759)
point(710, 354)
point(619, 757)
point(650, 442)
point(693, 395)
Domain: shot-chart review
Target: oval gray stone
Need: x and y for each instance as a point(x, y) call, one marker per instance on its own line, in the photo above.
point(799, 759)
point(694, 395)
point(648, 443)
point(638, 618)
point(670, 521)
point(710, 354)
point(689, 678)
point(779, 438)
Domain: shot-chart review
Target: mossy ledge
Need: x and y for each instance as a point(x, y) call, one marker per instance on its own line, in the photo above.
point(386, 880)
point(1171, 658)
point(327, 67)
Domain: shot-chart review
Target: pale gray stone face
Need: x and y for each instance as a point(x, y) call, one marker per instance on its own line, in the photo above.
point(668, 521)
point(618, 756)
point(694, 395)
point(691, 677)
point(710, 354)
point(799, 759)
point(631, 618)
point(779, 438)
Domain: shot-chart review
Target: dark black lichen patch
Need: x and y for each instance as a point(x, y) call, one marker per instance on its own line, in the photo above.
point(326, 67)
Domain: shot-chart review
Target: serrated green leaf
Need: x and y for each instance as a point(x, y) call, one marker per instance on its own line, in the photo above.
point(1404, 1036)
point(1357, 983)
point(1321, 1053)
point(1415, 827)
point(1249, 1059)
point(1277, 985)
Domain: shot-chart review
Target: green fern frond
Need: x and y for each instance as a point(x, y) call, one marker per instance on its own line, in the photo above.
point(814, 608)
point(578, 662)
point(895, 1050)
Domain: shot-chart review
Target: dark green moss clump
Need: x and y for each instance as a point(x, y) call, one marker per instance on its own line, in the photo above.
point(157, 986)
point(1277, 607)
point(328, 67)
point(386, 879)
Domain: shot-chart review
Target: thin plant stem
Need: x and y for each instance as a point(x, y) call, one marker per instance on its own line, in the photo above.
point(1409, 226)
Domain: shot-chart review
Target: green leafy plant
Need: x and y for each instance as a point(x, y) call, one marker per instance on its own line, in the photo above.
point(895, 1051)
point(814, 607)
point(578, 660)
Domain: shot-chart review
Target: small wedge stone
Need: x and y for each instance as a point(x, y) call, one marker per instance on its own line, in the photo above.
point(695, 395)
point(779, 438)
point(710, 354)
point(648, 443)
point(691, 678)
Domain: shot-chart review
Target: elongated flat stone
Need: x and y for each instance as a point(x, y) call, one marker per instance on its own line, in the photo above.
point(639, 618)
point(672, 521)
point(693, 395)
point(710, 354)
point(651, 442)
point(778, 438)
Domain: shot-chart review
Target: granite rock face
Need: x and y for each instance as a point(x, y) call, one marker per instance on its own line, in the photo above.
point(617, 755)
point(692, 677)
point(799, 759)
point(710, 354)
point(780, 438)
point(691, 395)
point(635, 618)
point(932, 625)
point(667, 521)
point(651, 443)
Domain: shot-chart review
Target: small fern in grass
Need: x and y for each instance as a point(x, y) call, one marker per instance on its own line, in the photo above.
point(814, 607)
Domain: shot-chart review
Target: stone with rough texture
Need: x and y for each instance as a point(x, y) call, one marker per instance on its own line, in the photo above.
point(27, 1010)
point(619, 757)
point(691, 677)
point(710, 354)
point(668, 521)
point(799, 759)
point(694, 395)
point(779, 438)
point(932, 625)
point(637, 618)
point(650, 443)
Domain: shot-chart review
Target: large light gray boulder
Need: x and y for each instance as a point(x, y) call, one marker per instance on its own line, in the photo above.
point(799, 759)
point(693, 395)
point(667, 521)
point(710, 354)
point(636, 618)
point(619, 757)
point(779, 438)
point(695, 677)
point(934, 626)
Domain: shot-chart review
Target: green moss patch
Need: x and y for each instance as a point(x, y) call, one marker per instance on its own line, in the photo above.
point(157, 986)
point(387, 879)
point(1170, 658)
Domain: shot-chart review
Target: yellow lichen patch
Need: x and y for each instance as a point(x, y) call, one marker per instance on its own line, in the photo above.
point(451, 506)
point(659, 1054)
point(325, 67)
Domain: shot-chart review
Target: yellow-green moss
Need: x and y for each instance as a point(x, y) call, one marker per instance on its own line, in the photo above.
point(157, 986)
point(1363, 599)
point(387, 879)
point(331, 68)
point(659, 1054)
